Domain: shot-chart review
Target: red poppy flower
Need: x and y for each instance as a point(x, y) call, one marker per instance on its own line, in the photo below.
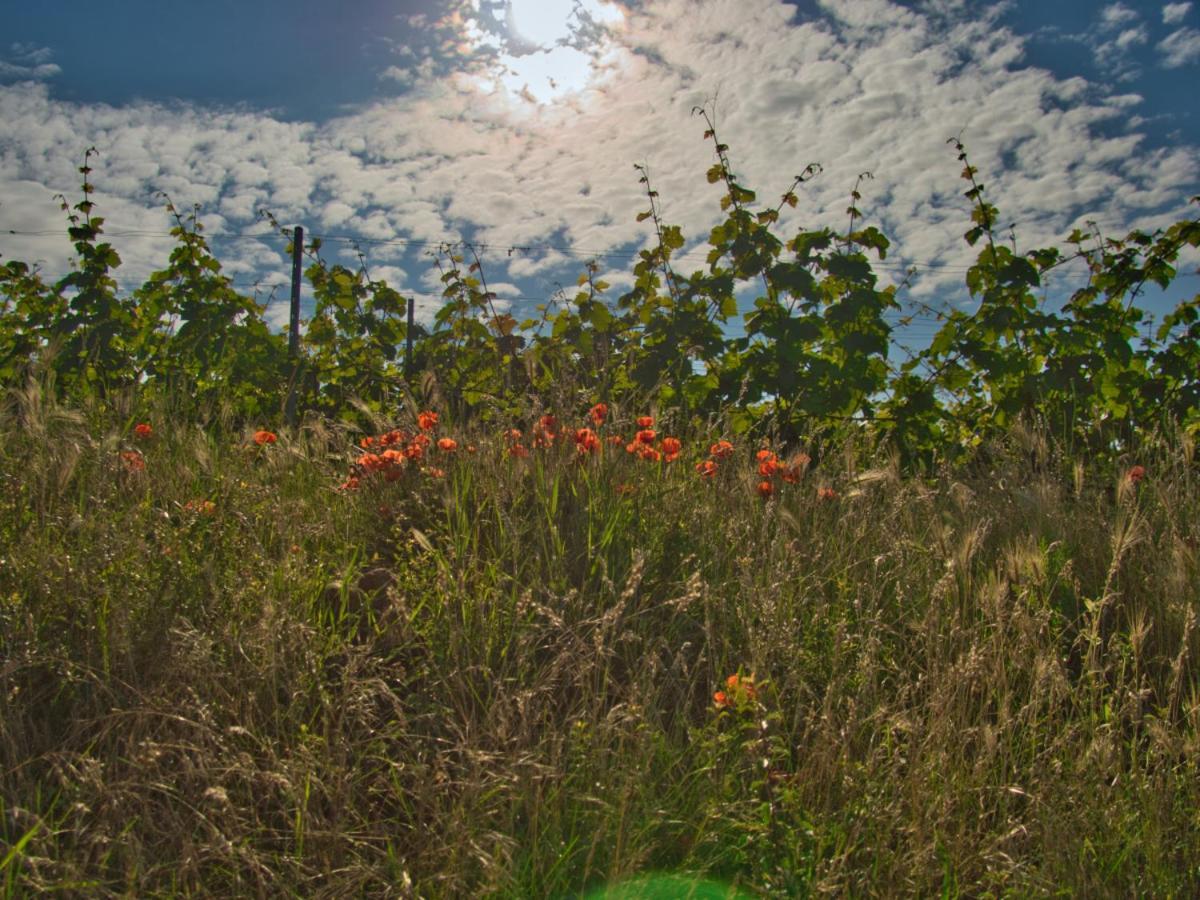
point(645, 436)
point(599, 413)
point(765, 489)
point(427, 421)
point(133, 460)
point(671, 446)
point(447, 445)
point(645, 422)
point(587, 441)
point(1136, 474)
point(264, 437)
point(707, 469)
point(143, 430)
point(721, 450)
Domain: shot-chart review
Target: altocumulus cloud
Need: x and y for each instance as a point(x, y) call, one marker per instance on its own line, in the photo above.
point(23, 62)
point(870, 85)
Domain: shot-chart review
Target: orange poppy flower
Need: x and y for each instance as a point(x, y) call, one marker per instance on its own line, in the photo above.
point(264, 437)
point(707, 469)
point(133, 460)
point(447, 445)
point(645, 422)
point(427, 421)
point(671, 447)
point(645, 436)
point(598, 413)
point(586, 441)
point(721, 450)
point(1136, 474)
point(143, 430)
point(765, 489)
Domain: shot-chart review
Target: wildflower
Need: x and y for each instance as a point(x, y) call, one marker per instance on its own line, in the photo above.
point(765, 455)
point(143, 430)
point(599, 413)
point(427, 421)
point(435, 473)
point(615, 440)
point(392, 437)
point(586, 441)
point(545, 432)
point(707, 469)
point(201, 507)
point(447, 445)
point(367, 443)
point(513, 436)
point(264, 437)
point(671, 448)
point(793, 472)
point(645, 436)
point(768, 467)
point(721, 450)
point(1136, 474)
point(133, 460)
point(350, 484)
point(765, 489)
point(826, 493)
point(645, 422)
point(740, 689)
point(518, 450)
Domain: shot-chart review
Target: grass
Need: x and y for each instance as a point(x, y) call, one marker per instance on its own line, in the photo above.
point(500, 682)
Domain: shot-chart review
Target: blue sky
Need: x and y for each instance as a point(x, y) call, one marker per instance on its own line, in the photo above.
point(517, 123)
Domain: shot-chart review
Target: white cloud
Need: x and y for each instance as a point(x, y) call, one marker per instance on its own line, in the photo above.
point(1180, 48)
point(27, 62)
point(1115, 15)
point(873, 86)
point(1132, 36)
point(1174, 13)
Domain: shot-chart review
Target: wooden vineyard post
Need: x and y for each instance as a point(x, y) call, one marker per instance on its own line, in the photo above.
point(294, 324)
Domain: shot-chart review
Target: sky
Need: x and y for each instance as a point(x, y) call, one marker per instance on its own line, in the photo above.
point(391, 126)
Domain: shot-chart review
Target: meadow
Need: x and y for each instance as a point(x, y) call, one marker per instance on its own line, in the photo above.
point(228, 670)
point(605, 604)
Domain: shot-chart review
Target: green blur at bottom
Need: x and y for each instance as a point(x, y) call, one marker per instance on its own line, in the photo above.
point(667, 887)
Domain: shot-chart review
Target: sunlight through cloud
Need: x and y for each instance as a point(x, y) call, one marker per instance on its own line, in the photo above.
point(544, 50)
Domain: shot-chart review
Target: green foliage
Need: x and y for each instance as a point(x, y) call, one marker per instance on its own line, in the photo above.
point(814, 366)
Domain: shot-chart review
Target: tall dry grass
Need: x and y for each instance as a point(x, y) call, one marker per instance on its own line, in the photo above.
point(501, 683)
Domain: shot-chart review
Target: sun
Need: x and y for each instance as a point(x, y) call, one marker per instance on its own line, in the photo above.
point(543, 51)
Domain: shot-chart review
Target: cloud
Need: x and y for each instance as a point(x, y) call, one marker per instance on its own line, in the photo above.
point(1180, 48)
point(27, 62)
point(1115, 15)
point(1174, 13)
point(868, 85)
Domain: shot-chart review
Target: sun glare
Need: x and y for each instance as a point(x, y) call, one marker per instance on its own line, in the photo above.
point(544, 50)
